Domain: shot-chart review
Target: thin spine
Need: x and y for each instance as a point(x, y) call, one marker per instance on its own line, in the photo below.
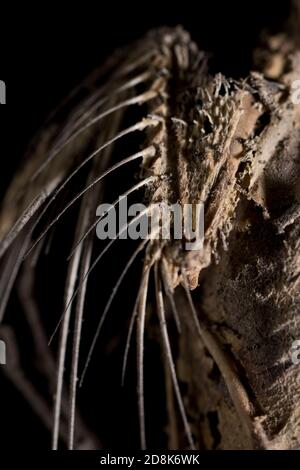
point(166, 342)
point(140, 355)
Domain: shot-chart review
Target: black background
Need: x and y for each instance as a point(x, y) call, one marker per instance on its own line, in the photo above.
point(47, 48)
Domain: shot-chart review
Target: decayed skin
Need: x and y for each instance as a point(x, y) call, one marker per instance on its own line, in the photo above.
point(232, 179)
point(251, 298)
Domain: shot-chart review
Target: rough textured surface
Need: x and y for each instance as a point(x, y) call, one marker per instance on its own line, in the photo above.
point(251, 299)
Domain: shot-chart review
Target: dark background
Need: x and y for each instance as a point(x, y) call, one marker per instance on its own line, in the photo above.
point(48, 48)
